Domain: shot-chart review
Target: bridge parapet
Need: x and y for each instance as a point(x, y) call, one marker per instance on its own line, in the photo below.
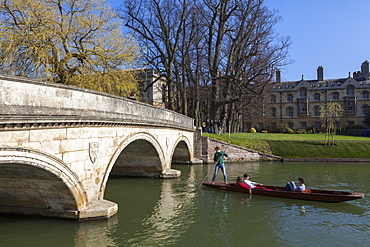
point(22, 99)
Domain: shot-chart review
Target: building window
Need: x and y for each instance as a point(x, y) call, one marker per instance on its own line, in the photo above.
point(273, 125)
point(289, 111)
point(304, 125)
point(350, 90)
point(365, 110)
point(335, 96)
point(316, 97)
point(273, 98)
point(316, 111)
point(289, 98)
point(273, 112)
point(365, 95)
point(303, 93)
point(303, 108)
point(317, 125)
point(260, 126)
point(350, 107)
point(290, 125)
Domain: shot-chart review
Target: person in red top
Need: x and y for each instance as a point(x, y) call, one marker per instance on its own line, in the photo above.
point(240, 183)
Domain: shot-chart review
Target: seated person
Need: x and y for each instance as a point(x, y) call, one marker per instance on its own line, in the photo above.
point(292, 187)
point(250, 184)
point(240, 183)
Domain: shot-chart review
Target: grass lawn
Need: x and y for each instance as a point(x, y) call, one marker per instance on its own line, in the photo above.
point(300, 145)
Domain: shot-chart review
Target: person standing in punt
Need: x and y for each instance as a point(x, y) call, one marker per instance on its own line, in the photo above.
point(218, 158)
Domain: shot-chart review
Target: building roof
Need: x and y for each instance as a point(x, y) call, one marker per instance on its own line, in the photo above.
point(316, 83)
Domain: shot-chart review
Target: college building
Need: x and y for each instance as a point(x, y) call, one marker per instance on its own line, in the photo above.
point(152, 87)
point(296, 104)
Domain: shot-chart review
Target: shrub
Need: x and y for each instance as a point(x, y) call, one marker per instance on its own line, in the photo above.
point(311, 130)
point(290, 131)
point(263, 131)
point(282, 127)
point(252, 130)
point(301, 131)
point(356, 127)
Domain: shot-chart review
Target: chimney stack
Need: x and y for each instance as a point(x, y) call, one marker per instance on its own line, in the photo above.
point(278, 76)
point(365, 70)
point(357, 74)
point(320, 73)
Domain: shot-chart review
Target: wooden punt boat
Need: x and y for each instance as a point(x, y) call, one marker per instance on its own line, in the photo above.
point(276, 191)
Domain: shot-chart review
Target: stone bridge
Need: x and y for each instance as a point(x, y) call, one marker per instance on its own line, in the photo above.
point(59, 145)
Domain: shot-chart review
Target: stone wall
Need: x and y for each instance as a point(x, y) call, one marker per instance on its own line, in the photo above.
point(236, 153)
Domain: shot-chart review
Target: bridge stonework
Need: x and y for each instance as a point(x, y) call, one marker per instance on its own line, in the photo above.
point(59, 145)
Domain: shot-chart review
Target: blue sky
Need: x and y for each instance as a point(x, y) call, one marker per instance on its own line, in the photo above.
point(334, 34)
point(330, 33)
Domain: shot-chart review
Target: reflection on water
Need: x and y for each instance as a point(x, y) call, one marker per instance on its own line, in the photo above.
point(168, 215)
point(180, 212)
point(95, 233)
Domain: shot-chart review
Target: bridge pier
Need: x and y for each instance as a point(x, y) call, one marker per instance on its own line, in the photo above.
point(98, 209)
point(170, 173)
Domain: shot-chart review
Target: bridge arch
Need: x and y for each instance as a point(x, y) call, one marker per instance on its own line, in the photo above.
point(33, 182)
point(138, 155)
point(181, 152)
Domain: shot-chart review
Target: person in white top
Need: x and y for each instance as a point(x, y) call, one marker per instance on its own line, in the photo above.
point(250, 183)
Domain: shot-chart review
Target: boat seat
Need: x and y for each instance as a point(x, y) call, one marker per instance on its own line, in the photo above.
point(307, 191)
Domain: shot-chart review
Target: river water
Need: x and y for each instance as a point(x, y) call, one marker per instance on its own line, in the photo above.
point(180, 212)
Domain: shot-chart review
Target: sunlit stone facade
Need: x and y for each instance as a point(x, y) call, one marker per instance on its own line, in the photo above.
point(295, 104)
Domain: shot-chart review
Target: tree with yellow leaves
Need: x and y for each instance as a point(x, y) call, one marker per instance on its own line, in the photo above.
point(76, 42)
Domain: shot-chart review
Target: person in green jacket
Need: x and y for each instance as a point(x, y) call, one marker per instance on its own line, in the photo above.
point(218, 158)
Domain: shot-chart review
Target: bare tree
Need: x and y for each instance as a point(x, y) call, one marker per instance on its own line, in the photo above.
point(158, 26)
point(244, 55)
point(215, 55)
point(192, 61)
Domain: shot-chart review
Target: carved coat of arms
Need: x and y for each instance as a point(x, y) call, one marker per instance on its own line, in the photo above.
point(93, 151)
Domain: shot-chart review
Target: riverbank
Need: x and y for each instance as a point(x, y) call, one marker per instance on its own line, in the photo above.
point(235, 153)
point(301, 147)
